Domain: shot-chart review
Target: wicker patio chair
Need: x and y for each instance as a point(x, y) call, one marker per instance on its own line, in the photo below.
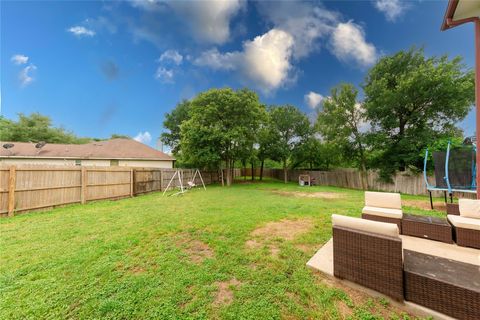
point(466, 226)
point(368, 253)
point(383, 207)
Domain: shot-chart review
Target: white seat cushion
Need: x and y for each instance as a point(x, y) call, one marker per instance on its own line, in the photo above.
point(463, 222)
point(383, 212)
point(469, 208)
point(382, 228)
point(383, 200)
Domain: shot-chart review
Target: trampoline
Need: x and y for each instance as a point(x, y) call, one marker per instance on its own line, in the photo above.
point(455, 170)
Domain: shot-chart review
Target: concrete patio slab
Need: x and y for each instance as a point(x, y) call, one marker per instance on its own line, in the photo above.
point(322, 262)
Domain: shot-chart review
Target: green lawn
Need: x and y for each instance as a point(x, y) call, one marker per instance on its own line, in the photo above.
point(200, 255)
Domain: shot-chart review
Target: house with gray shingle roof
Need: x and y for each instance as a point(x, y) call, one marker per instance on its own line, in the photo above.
point(114, 152)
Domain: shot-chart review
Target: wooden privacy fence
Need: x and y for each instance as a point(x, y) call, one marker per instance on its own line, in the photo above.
point(403, 182)
point(29, 188)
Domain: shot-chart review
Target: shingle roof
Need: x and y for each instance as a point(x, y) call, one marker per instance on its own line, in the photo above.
point(109, 149)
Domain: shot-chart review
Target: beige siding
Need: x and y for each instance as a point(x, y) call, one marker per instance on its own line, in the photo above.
point(165, 164)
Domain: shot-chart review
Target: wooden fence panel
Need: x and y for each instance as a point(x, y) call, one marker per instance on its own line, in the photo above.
point(408, 183)
point(4, 176)
point(108, 183)
point(147, 180)
point(37, 188)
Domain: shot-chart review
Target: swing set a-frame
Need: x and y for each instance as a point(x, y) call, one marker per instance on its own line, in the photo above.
point(190, 184)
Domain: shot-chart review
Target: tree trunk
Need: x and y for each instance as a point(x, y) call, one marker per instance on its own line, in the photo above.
point(261, 170)
point(228, 173)
point(285, 173)
point(253, 170)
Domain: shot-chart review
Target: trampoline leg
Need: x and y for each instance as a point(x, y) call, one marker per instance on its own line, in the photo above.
point(431, 201)
point(445, 195)
point(451, 197)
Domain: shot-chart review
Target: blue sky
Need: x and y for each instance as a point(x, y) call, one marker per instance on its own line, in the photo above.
point(103, 67)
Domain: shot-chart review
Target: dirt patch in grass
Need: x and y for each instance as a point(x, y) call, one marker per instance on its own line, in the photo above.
point(344, 311)
point(425, 204)
point(285, 229)
point(196, 250)
point(136, 270)
point(307, 248)
point(224, 294)
point(320, 194)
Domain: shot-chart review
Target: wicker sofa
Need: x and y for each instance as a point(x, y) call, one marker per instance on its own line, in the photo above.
point(467, 224)
point(383, 207)
point(368, 253)
point(371, 254)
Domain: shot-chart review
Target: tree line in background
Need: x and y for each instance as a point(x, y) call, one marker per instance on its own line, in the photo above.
point(410, 102)
point(37, 127)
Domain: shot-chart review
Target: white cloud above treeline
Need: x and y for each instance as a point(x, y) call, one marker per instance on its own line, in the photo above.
point(171, 56)
point(392, 9)
point(265, 60)
point(349, 44)
point(19, 59)
point(268, 61)
point(143, 137)
point(313, 99)
point(25, 76)
point(81, 31)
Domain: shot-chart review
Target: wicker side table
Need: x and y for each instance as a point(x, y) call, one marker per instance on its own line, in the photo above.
point(448, 286)
point(427, 227)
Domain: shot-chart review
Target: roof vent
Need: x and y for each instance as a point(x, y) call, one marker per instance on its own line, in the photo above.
point(7, 146)
point(40, 145)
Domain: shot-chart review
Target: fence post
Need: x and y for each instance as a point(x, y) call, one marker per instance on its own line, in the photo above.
point(161, 179)
point(83, 192)
point(132, 181)
point(11, 190)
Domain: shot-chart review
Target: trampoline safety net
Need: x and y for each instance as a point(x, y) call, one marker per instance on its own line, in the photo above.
point(460, 168)
point(439, 161)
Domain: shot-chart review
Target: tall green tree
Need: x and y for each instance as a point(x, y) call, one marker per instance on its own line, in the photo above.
point(292, 127)
point(268, 144)
point(222, 124)
point(36, 127)
point(172, 123)
point(340, 123)
point(308, 154)
point(411, 101)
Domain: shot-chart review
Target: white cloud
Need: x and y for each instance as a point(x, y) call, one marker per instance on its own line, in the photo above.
point(313, 99)
point(265, 60)
point(219, 61)
point(392, 9)
point(306, 22)
point(148, 5)
point(26, 75)
point(19, 59)
point(209, 20)
point(171, 55)
point(349, 44)
point(143, 137)
point(81, 31)
point(164, 75)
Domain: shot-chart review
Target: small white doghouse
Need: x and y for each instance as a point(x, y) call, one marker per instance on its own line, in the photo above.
point(304, 180)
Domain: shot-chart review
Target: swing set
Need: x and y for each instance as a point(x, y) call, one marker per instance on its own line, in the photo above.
point(179, 174)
